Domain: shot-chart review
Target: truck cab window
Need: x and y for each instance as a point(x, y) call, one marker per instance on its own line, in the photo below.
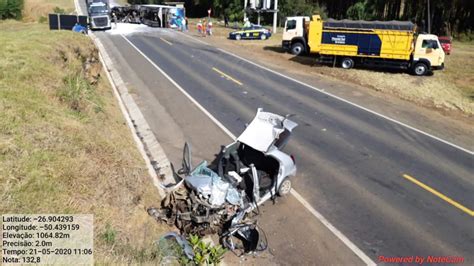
point(430, 44)
point(291, 25)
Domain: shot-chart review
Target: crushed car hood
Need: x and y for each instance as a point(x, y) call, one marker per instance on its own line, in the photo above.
point(267, 130)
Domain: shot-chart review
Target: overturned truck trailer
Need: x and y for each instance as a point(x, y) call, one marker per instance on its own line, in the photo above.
point(127, 14)
point(223, 197)
point(151, 15)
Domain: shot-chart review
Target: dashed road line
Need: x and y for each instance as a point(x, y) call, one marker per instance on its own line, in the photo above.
point(227, 76)
point(168, 42)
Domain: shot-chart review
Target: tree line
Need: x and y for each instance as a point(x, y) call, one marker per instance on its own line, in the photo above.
point(447, 17)
point(11, 9)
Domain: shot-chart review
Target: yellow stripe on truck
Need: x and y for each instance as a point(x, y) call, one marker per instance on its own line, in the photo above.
point(395, 44)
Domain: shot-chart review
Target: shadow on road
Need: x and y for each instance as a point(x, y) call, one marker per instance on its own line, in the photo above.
point(277, 49)
point(313, 61)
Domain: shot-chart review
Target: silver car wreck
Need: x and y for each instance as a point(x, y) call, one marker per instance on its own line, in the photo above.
point(223, 197)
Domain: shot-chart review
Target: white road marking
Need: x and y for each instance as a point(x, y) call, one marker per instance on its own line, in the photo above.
point(315, 213)
point(338, 98)
point(182, 90)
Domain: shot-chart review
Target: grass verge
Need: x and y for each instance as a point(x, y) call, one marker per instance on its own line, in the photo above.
point(64, 145)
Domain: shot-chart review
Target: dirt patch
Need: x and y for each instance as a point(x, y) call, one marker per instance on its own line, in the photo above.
point(450, 90)
point(38, 10)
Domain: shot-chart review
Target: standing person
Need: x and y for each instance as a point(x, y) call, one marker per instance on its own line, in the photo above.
point(179, 23)
point(187, 23)
point(184, 24)
point(209, 28)
point(247, 23)
point(114, 19)
point(199, 27)
point(204, 27)
point(226, 20)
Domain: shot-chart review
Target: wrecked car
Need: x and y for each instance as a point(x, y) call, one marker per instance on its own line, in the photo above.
point(223, 197)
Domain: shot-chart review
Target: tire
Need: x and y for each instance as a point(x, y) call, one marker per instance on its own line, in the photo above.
point(347, 63)
point(263, 37)
point(420, 69)
point(285, 187)
point(297, 48)
point(238, 37)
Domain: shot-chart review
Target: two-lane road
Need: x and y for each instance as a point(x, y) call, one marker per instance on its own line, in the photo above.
point(391, 190)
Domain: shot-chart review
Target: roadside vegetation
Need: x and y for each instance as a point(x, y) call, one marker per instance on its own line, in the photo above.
point(452, 18)
point(64, 144)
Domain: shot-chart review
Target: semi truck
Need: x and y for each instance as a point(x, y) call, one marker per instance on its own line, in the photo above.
point(348, 43)
point(99, 14)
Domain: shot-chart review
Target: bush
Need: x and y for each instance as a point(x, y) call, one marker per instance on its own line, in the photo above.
point(78, 93)
point(59, 10)
point(360, 11)
point(110, 235)
point(42, 19)
point(466, 36)
point(11, 9)
point(204, 253)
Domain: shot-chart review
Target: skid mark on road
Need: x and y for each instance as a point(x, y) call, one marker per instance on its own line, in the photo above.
point(440, 195)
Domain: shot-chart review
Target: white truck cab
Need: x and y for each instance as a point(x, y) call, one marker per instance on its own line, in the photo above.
point(295, 28)
point(99, 16)
point(427, 54)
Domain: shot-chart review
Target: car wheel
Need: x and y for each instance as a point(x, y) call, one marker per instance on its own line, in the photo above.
point(420, 69)
point(285, 187)
point(297, 48)
point(238, 37)
point(347, 63)
point(263, 37)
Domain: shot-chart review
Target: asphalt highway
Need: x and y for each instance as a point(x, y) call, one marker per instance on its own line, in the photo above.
point(391, 190)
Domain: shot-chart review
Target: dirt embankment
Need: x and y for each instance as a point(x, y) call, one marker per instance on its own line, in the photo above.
point(450, 90)
point(64, 144)
point(38, 10)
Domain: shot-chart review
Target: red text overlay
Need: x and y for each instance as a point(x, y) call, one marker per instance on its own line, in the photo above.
point(422, 259)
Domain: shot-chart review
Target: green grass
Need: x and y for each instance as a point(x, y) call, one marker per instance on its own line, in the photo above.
point(64, 145)
point(460, 67)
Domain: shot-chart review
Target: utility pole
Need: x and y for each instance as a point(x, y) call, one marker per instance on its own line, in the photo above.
point(275, 16)
point(245, 10)
point(429, 18)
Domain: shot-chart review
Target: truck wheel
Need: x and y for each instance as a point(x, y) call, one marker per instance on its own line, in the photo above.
point(347, 63)
point(263, 37)
point(297, 48)
point(285, 187)
point(238, 37)
point(420, 69)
